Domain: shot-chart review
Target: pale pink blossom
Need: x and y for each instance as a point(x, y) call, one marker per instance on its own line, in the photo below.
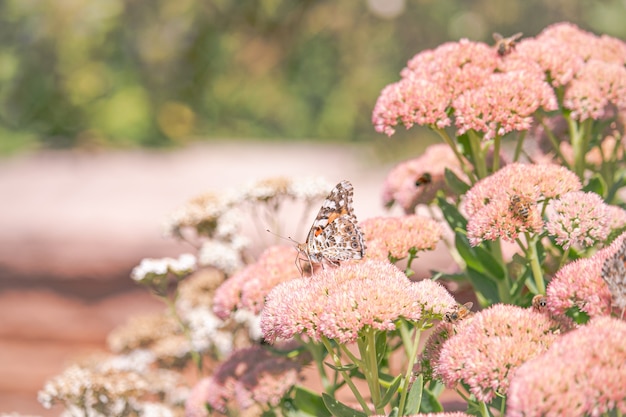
point(558, 60)
point(537, 182)
point(237, 379)
point(247, 288)
point(195, 405)
point(582, 373)
point(597, 85)
point(505, 103)
point(339, 303)
point(616, 217)
point(266, 383)
point(488, 348)
point(410, 101)
point(578, 285)
point(454, 66)
point(500, 220)
point(578, 219)
point(396, 236)
point(404, 185)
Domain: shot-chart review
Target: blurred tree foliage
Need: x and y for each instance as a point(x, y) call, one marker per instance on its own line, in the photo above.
point(158, 72)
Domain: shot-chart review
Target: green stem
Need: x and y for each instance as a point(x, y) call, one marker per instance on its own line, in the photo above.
point(533, 259)
point(317, 352)
point(367, 348)
point(555, 143)
point(411, 345)
point(484, 411)
point(519, 146)
point(478, 157)
point(496, 153)
point(462, 161)
point(578, 137)
point(346, 376)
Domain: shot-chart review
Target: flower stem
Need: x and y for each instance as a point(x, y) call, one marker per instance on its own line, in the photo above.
point(462, 161)
point(367, 348)
point(411, 347)
point(496, 153)
point(346, 377)
point(478, 157)
point(533, 259)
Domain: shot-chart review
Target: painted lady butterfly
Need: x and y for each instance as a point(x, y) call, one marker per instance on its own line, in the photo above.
point(614, 274)
point(335, 235)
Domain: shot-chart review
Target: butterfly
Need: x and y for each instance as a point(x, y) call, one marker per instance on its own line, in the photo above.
point(614, 274)
point(335, 235)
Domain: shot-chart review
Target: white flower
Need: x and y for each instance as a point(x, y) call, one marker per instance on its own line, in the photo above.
point(220, 255)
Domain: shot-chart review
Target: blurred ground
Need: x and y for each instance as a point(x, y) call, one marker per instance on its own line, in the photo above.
point(74, 224)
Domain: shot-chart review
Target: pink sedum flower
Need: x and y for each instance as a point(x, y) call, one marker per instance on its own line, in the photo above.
point(579, 285)
point(410, 101)
point(248, 288)
point(240, 379)
point(339, 303)
point(505, 103)
point(454, 66)
point(405, 186)
point(534, 181)
point(498, 220)
point(616, 217)
point(488, 348)
point(578, 219)
point(493, 213)
point(596, 85)
point(396, 236)
point(582, 373)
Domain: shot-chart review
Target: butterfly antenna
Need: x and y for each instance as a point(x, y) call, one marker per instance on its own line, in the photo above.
point(281, 237)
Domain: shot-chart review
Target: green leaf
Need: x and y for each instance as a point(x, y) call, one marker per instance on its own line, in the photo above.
point(430, 403)
point(342, 368)
point(414, 398)
point(338, 409)
point(492, 267)
point(452, 215)
point(393, 389)
point(467, 251)
point(484, 287)
point(381, 346)
point(457, 185)
point(596, 185)
point(309, 402)
point(394, 412)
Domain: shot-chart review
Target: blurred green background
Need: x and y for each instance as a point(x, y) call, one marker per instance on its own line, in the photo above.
point(128, 73)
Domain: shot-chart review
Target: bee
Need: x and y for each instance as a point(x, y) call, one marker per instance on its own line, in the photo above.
point(423, 179)
point(520, 207)
point(459, 312)
point(540, 303)
point(504, 46)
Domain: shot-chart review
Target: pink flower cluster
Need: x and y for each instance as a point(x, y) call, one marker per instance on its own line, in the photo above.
point(247, 288)
point(579, 285)
point(496, 94)
point(450, 414)
point(582, 373)
point(505, 103)
point(396, 236)
point(251, 375)
point(488, 347)
point(578, 219)
point(493, 203)
point(405, 186)
point(339, 303)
